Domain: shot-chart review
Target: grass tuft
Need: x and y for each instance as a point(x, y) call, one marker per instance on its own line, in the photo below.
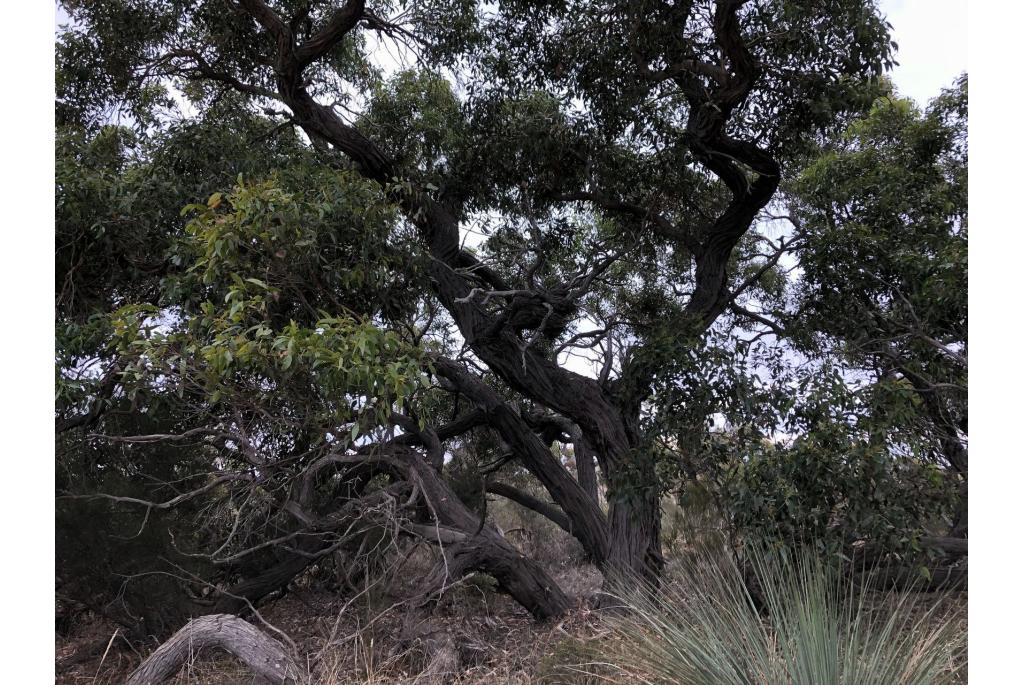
point(814, 628)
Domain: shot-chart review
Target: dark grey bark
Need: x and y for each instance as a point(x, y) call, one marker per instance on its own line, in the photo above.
point(469, 544)
point(522, 578)
point(586, 521)
point(586, 468)
point(247, 593)
point(528, 501)
point(344, 530)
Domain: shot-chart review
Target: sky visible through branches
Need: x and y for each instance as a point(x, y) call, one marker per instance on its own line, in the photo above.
point(932, 40)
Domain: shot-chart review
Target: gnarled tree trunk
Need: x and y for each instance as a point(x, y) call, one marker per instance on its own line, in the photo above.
point(470, 544)
point(627, 540)
point(522, 578)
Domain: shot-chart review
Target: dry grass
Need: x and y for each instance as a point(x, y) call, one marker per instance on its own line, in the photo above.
point(497, 642)
point(372, 641)
point(501, 646)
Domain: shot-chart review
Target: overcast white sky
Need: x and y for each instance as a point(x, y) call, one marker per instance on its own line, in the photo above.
point(932, 39)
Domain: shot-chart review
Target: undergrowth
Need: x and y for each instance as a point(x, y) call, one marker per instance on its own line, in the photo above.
point(803, 624)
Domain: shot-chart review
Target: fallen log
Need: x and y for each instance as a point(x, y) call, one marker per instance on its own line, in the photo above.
point(264, 655)
point(951, 546)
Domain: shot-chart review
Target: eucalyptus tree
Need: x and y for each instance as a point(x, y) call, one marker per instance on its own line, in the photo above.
point(883, 209)
point(313, 319)
point(863, 346)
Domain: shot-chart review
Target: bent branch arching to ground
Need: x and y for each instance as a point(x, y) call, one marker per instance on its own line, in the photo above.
point(268, 659)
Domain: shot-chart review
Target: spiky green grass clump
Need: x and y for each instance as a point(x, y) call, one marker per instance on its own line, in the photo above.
point(704, 628)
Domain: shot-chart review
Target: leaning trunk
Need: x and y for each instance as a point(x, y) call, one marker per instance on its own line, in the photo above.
point(522, 578)
point(243, 596)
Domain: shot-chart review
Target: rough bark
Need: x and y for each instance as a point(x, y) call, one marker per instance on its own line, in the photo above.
point(523, 368)
point(320, 537)
point(634, 515)
point(238, 598)
point(523, 579)
point(586, 470)
point(586, 521)
point(266, 657)
point(474, 545)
